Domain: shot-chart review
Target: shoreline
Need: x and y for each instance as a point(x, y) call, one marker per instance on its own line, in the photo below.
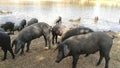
point(80, 3)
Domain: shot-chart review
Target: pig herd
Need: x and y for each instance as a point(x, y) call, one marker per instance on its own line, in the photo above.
point(73, 42)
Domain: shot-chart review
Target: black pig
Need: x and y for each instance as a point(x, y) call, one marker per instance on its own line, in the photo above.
point(22, 24)
point(76, 31)
point(86, 44)
point(29, 33)
point(5, 44)
point(57, 30)
point(8, 26)
point(32, 21)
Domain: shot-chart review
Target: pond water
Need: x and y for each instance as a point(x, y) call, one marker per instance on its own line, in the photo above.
point(108, 16)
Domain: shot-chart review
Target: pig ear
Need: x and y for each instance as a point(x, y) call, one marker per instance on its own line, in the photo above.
point(66, 50)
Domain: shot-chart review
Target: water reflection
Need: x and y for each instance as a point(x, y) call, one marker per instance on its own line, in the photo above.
point(108, 17)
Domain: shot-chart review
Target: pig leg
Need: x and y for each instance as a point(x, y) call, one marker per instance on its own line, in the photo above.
point(11, 51)
point(28, 46)
point(45, 38)
point(87, 55)
point(49, 41)
point(100, 59)
point(56, 36)
point(107, 58)
point(53, 36)
point(13, 31)
point(5, 54)
point(75, 60)
point(22, 49)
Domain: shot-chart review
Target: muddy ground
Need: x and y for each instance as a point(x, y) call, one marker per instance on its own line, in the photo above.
point(37, 57)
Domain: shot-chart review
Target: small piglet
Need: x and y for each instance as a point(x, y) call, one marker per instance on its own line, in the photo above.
point(57, 30)
point(85, 44)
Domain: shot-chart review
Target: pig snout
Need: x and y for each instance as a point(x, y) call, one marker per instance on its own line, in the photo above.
point(59, 57)
point(57, 61)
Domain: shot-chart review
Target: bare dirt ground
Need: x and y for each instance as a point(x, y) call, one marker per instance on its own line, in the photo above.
point(37, 57)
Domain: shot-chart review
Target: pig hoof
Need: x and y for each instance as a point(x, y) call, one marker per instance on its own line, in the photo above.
point(97, 64)
point(13, 57)
point(27, 50)
point(21, 54)
point(53, 43)
point(86, 55)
